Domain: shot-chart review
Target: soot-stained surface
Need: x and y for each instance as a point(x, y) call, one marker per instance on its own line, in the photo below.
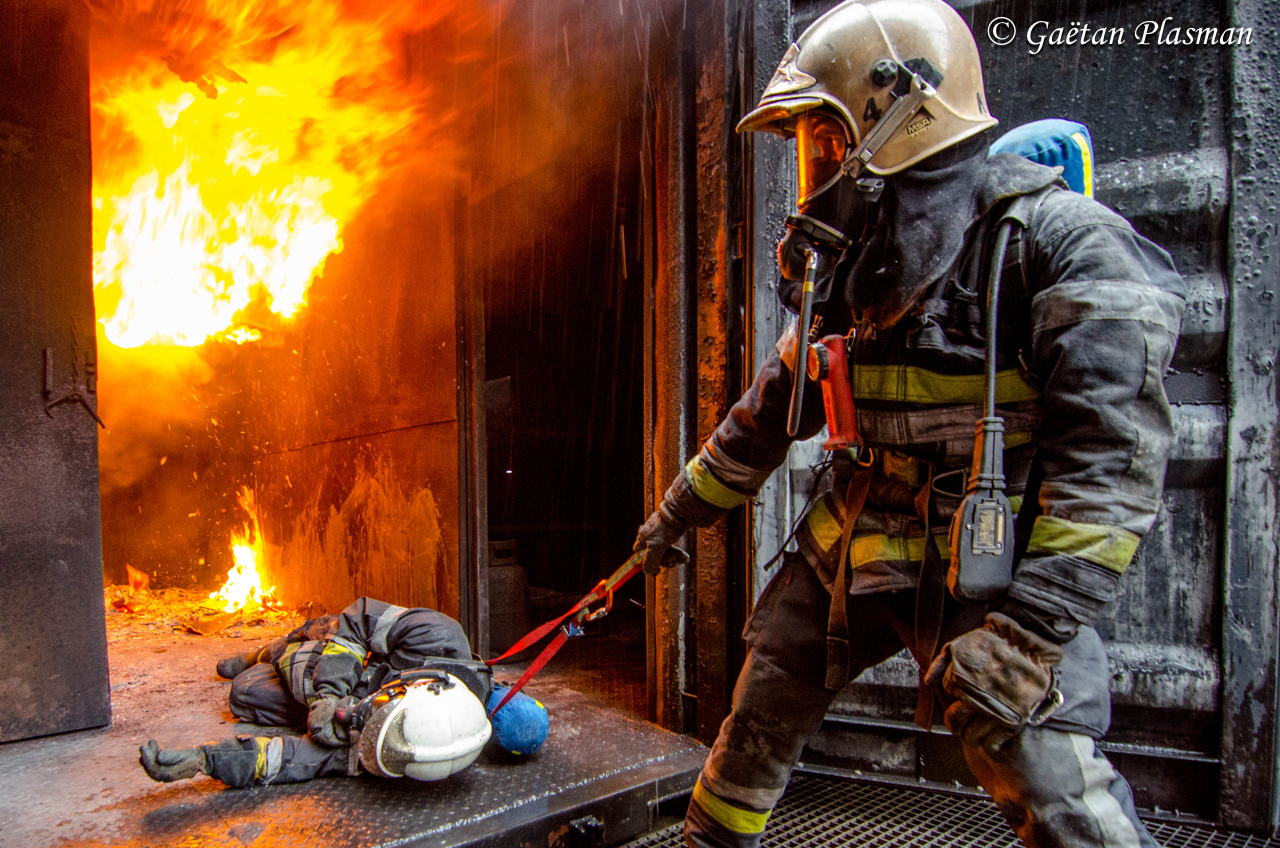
point(86, 788)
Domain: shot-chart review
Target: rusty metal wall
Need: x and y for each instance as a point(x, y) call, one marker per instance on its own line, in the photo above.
point(51, 681)
point(669, 408)
point(1185, 144)
point(698, 318)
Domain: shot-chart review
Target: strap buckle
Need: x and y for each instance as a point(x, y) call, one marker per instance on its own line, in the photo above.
point(1052, 701)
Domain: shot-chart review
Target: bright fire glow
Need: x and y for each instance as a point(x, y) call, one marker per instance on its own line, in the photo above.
point(244, 581)
point(226, 167)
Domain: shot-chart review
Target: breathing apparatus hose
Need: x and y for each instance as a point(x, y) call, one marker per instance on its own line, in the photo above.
point(803, 320)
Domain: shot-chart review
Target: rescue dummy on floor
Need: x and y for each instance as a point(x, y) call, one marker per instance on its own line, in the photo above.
point(380, 688)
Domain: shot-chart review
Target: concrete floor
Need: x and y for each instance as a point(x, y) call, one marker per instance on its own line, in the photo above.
point(86, 788)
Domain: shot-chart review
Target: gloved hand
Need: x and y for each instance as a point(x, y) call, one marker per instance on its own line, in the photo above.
point(658, 537)
point(323, 725)
point(1001, 680)
point(1056, 628)
point(171, 765)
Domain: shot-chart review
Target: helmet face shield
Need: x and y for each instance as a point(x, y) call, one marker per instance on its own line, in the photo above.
point(822, 142)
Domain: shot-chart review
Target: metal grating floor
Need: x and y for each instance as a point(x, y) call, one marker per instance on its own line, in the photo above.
point(826, 811)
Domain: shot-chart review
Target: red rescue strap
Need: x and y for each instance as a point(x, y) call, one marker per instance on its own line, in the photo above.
point(581, 614)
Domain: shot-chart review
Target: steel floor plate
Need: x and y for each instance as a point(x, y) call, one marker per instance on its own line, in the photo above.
point(828, 811)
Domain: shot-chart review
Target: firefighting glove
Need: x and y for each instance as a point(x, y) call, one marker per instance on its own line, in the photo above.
point(323, 724)
point(1057, 629)
point(658, 537)
point(171, 765)
point(1000, 679)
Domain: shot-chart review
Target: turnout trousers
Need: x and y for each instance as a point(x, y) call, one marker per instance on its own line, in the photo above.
point(273, 693)
point(1051, 783)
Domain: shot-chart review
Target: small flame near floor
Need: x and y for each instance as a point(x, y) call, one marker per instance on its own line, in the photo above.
point(244, 582)
point(242, 600)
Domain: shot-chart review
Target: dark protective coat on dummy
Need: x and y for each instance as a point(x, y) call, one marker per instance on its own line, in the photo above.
point(333, 656)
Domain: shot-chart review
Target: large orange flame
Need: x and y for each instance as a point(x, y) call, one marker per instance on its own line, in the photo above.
point(244, 581)
point(230, 156)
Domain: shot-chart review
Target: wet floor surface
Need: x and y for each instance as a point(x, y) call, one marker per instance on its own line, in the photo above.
point(86, 788)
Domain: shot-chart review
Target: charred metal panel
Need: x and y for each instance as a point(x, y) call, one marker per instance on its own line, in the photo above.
point(669, 372)
point(52, 679)
point(771, 198)
point(714, 42)
point(1248, 791)
point(473, 492)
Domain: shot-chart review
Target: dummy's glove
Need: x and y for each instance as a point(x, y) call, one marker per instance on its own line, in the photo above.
point(658, 537)
point(322, 721)
point(1001, 680)
point(171, 765)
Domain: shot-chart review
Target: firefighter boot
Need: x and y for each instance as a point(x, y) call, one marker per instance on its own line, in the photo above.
point(230, 667)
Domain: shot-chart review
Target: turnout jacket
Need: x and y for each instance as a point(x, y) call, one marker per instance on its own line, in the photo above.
point(327, 656)
point(1088, 318)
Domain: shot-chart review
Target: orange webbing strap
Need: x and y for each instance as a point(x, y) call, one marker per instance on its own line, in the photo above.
point(580, 611)
point(838, 614)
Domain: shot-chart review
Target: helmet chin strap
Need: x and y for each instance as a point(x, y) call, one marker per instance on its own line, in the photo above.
point(911, 92)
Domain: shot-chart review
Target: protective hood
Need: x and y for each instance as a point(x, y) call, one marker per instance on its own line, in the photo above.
point(925, 214)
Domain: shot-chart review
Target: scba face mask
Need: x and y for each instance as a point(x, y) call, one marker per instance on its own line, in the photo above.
point(833, 211)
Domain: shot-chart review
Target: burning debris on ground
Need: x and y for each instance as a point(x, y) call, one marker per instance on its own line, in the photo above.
point(131, 613)
point(243, 605)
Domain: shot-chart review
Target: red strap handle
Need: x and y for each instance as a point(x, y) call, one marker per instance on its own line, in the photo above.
point(581, 612)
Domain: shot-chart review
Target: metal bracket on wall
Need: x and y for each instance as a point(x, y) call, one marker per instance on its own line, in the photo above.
point(586, 832)
point(75, 392)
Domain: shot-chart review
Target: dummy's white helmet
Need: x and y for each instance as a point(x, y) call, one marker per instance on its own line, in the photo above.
point(435, 729)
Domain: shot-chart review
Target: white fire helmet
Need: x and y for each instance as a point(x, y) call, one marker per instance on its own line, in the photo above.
point(435, 729)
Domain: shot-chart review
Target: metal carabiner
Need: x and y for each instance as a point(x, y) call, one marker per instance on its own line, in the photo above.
point(600, 612)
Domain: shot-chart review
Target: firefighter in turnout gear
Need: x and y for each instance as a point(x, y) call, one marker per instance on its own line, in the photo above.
point(904, 225)
point(409, 676)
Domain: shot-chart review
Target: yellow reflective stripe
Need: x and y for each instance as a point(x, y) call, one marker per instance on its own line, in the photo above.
point(823, 525)
point(877, 547)
point(260, 767)
point(910, 384)
point(706, 486)
point(1016, 439)
point(734, 818)
point(336, 646)
point(1087, 158)
point(1109, 547)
